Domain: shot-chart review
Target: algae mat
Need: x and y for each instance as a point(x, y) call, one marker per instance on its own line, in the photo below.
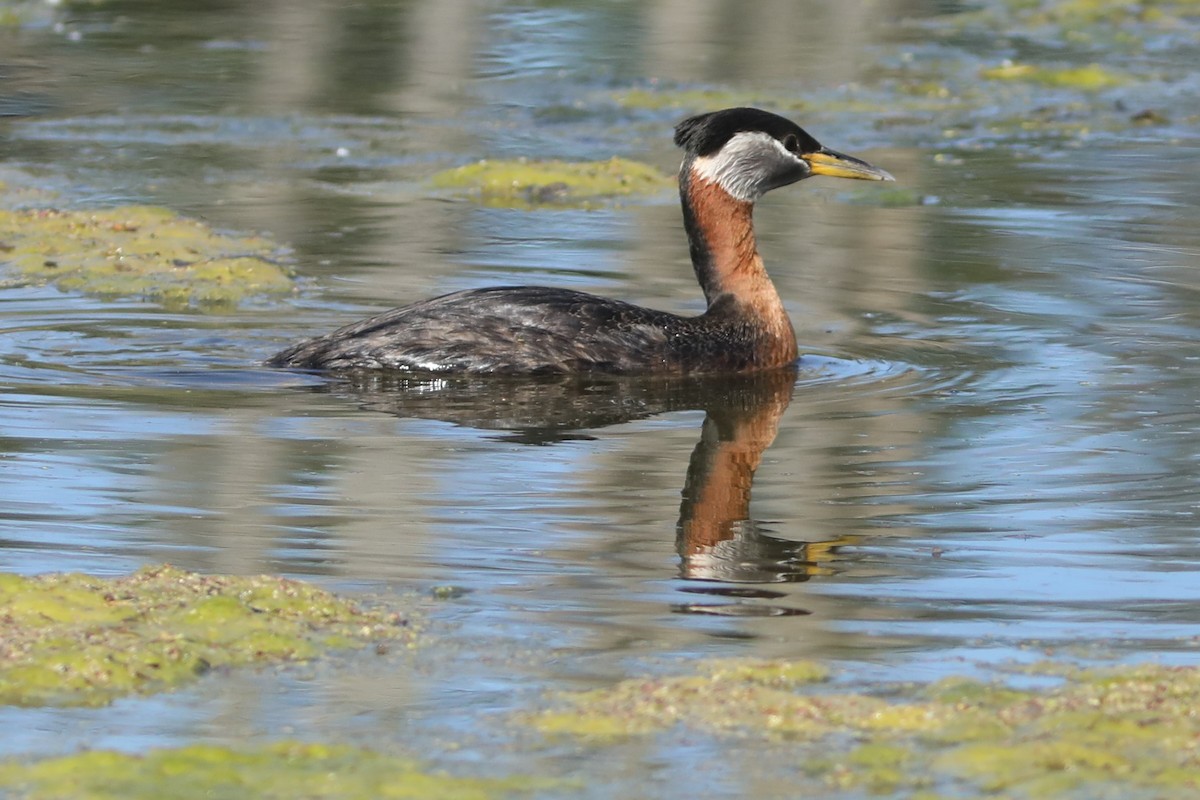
point(532, 184)
point(280, 770)
point(140, 251)
point(77, 640)
point(1121, 732)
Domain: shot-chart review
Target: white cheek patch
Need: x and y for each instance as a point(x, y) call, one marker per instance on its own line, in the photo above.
point(746, 164)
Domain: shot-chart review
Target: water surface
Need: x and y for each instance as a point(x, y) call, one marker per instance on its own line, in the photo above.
point(988, 452)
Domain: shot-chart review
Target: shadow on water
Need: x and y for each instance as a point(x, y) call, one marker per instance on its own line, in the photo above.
point(717, 540)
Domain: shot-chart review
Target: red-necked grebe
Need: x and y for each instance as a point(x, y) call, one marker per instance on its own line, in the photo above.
point(732, 157)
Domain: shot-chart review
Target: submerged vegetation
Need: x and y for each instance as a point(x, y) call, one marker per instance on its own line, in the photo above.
point(528, 184)
point(1096, 12)
point(1093, 77)
point(280, 770)
point(139, 251)
point(1119, 732)
point(77, 640)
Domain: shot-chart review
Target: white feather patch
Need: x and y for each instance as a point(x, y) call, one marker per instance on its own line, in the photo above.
point(745, 165)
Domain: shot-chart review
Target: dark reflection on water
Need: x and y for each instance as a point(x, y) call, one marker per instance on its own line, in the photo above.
point(717, 540)
point(542, 410)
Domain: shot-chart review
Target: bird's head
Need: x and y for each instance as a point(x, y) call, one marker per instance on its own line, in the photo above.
point(749, 152)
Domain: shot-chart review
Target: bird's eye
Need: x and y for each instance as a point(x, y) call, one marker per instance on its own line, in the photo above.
point(791, 143)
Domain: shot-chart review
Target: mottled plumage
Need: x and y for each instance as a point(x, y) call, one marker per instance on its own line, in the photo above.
point(731, 158)
point(533, 329)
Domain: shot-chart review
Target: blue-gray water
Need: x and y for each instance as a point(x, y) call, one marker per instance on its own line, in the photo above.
point(991, 450)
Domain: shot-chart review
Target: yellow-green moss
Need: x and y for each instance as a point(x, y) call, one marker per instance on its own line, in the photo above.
point(529, 184)
point(139, 251)
point(729, 695)
point(1107, 12)
point(1124, 732)
point(1121, 22)
point(1090, 78)
point(768, 673)
point(283, 770)
point(70, 639)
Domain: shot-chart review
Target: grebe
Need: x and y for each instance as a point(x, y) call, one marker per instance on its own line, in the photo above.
point(731, 158)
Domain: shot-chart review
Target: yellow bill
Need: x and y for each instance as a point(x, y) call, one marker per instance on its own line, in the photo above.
point(837, 165)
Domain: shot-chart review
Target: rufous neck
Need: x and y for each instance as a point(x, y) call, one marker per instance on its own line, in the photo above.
point(720, 230)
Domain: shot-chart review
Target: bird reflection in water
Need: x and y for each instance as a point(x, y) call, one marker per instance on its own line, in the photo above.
point(724, 553)
point(718, 542)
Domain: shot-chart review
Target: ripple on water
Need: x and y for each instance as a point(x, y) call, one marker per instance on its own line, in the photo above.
point(872, 374)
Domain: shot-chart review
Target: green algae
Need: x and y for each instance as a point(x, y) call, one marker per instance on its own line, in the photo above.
point(1109, 25)
point(1117, 732)
point(70, 639)
point(140, 251)
point(1090, 78)
point(1071, 13)
point(278, 770)
point(535, 184)
point(727, 696)
point(784, 674)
